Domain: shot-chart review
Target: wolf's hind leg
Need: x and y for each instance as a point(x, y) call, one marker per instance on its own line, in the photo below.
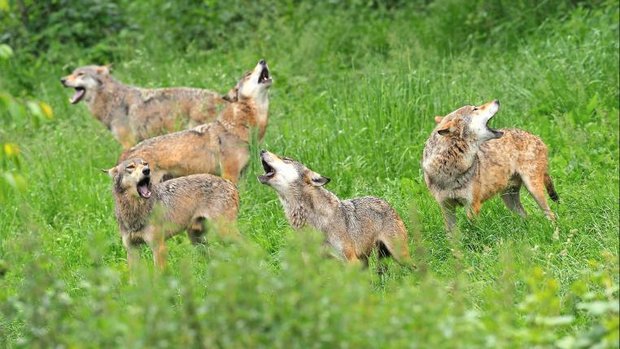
point(398, 249)
point(512, 199)
point(196, 232)
point(536, 187)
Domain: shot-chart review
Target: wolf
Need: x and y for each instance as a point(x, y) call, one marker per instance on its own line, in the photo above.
point(150, 213)
point(465, 162)
point(219, 147)
point(133, 113)
point(353, 228)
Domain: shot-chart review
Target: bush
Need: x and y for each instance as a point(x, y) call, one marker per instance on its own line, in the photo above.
point(15, 111)
point(39, 28)
point(239, 301)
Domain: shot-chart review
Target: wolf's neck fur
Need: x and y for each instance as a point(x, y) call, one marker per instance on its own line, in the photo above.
point(241, 116)
point(312, 207)
point(262, 114)
point(454, 163)
point(110, 100)
point(132, 212)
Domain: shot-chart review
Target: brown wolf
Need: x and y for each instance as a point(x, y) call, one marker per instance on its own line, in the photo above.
point(150, 213)
point(219, 147)
point(465, 163)
point(352, 227)
point(133, 113)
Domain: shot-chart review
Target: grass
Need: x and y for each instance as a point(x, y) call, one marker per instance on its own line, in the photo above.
point(355, 101)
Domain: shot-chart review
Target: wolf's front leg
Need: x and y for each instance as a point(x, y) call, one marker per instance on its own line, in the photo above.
point(123, 134)
point(133, 254)
point(473, 210)
point(155, 239)
point(474, 203)
point(234, 159)
point(350, 255)
point(449, 214)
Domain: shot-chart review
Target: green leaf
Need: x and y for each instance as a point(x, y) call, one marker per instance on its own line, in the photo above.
point(556, 320)
point(34, 108)
point(592, 104)
point(15, 180)
point(5, 50)
point(599, 307)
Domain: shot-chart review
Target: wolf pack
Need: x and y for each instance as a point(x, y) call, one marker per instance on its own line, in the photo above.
point(184, 150)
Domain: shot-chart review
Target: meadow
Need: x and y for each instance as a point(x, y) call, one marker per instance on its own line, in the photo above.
point(356, 87)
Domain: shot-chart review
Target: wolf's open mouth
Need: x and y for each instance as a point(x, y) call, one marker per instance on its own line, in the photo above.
point(264, 76)
point(495, 132)
point(143, 187)
point(79, 94)
point(269, 172)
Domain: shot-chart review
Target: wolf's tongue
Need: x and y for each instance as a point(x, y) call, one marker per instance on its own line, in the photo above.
point(79, 93)
point(144, 191)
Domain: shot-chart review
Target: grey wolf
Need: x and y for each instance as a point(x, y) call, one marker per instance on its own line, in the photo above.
point(150, 212)
point(465, 163)
point(220, 147)
point(132, 113)
point(353, 228)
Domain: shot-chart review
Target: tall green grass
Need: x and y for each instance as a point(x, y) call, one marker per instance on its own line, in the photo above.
point(355, 92)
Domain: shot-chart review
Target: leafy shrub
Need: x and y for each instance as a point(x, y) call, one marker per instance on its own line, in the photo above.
point(13, 110)
point(205, 24)
point(212, 24)
point(35, 27)
point(238, 300)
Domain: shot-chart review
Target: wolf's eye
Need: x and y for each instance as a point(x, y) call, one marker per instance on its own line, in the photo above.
point(80, 74)
point(130, 167)
point(475, 108)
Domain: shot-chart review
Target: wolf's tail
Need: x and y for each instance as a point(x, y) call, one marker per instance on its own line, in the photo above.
point(551, 189)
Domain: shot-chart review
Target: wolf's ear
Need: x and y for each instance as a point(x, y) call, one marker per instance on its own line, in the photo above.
point(446, 128)
point(111, 172)
point(438, 119)
point(317, 180)
point(232, 95)
point(103, 69)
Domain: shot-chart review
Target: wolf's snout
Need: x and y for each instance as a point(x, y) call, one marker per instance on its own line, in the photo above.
point(262, 151)
point(146, 171)
point(262, 62)
point(491, 107)
point(495, 106)
point(63, 81)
